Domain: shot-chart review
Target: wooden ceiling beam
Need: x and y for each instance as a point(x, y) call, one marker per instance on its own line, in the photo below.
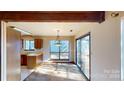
point(53, 16)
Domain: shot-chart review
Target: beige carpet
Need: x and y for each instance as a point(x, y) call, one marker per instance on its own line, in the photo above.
point(56, 72)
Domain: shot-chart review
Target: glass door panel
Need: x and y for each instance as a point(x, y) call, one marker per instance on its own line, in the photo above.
point(79, 53)
point(85, 55)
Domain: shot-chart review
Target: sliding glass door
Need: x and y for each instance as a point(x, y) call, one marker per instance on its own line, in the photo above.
point(79, 52)
point(83, 54)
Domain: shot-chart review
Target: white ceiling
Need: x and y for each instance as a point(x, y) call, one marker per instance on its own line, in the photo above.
point(49, 28)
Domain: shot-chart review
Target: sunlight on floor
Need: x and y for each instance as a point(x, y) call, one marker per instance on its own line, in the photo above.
point(57, 71)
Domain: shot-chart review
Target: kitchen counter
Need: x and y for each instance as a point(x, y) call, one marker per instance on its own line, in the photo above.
point(34, 54)
point(31, 53)
point(33, 59)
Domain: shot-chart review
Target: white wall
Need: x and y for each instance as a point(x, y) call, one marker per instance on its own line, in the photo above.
point(105, 47)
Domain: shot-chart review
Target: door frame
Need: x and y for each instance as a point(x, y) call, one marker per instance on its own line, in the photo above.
point(3, 50)
point(87, 34)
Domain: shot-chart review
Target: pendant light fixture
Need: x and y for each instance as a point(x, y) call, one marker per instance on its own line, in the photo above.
point(58, 39)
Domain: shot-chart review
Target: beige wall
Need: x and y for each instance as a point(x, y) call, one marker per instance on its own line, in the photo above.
point(46, 46)
point(105, 47)
point(13, 55)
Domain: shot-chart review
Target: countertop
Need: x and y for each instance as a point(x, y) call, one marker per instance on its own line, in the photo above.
point(33, 53)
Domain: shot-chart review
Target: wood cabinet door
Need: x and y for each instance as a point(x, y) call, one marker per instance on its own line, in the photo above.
point(23, 60)
point(38, 43)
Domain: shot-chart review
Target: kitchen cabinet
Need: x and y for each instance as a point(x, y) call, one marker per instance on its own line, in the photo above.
point(23, 60)
point(34, 60)
point(38, 43)
point(31, 60)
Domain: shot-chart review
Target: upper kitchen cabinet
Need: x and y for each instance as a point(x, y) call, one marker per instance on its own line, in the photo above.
point(38, 43)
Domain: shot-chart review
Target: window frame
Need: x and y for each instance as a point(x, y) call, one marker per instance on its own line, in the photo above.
point(60, 52)
point(24, 45)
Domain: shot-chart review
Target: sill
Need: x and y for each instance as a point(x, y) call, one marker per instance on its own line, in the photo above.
point(59, 59)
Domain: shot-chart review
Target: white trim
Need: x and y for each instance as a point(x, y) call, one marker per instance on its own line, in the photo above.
point(122, 49)
point(3, 52)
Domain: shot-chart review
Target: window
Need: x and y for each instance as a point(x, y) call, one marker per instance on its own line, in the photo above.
point(59, 52)
point(28, 44)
